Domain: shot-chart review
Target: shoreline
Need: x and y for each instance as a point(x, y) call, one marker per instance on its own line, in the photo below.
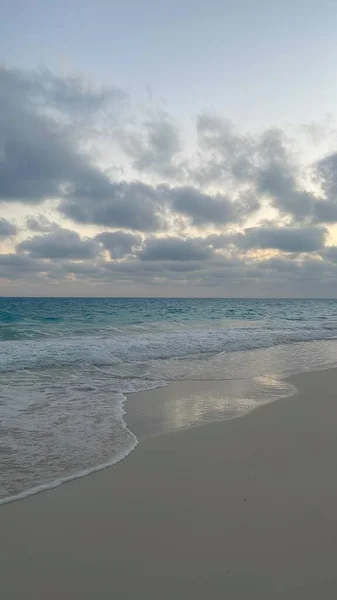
point(242, 393)
point(156, 397)
point(238, 509)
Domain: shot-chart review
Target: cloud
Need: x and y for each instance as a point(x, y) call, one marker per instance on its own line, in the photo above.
point(277, 175)
point(69, 94)
point(156, 147)
point(60, 244)
point(131, 205)
point(14, 266)
point(226, 188)
point(277, 181)
point(40, 223)
point(225, 154)
point(285, 239)
point(175, 249)
point(293, 272)
point(326, 170)
point(280, 178)
point(7, 229)
point(205, 208)
point(42, 157)
point(266, 163)
point(143, 207)
point(304, 238)
point(325, 211)
point(212, 276)
point(330, 253)
point(39, 146)
point(119, 243)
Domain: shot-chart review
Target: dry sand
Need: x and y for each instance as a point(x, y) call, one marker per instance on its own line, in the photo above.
point(242, 509)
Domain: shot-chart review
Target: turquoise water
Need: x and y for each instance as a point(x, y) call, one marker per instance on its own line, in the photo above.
point(66, 366)
point(32, 318)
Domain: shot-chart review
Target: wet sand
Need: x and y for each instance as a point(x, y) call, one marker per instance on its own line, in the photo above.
point(245, 508)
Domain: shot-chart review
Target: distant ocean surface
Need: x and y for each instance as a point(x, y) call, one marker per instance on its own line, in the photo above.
point(66, 366)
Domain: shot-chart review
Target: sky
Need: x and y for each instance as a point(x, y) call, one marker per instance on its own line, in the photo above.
point(165, 148)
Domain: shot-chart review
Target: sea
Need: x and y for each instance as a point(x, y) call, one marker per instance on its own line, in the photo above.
point(68, 366)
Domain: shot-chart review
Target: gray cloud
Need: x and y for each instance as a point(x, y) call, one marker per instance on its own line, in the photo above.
point(40, 223)
point(119, 243)
point(202, 208)
point(175, 249)
point(131, 205)
point(42, 157)
point(327, 174)
point(39, 147)
point(155, 148)
point(44, 121)
point(277, 180)
point(330, 253)
point(7, 229)
point(142, 207)
point(325, 211)
point(279, 177)
point(216, 275)
point(60, 244)
point(305, 238)
point(69, 94)
point(289, 271)
point(14, 266)
point(286, 239)
point(266, 164)
point(276, 175)
point(225, 153)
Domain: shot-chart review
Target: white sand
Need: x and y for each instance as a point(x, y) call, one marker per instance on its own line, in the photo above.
point(243, 509)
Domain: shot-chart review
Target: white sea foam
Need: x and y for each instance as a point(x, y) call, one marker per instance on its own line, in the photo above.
point(138, 343)
point(59, 426)
point(62, 413)
point(57, 482)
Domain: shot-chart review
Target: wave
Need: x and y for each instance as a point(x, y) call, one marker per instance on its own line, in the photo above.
point(60, 480)
point(116, 347)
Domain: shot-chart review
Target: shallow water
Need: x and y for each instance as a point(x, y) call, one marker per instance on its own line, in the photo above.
point(66, 366)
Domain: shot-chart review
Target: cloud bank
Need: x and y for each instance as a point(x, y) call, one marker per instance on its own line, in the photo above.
point(96, 201)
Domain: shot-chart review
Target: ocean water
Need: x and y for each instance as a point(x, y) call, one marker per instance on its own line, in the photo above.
point(67, 366)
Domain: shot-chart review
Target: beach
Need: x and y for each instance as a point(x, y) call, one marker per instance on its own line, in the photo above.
point(244, 508)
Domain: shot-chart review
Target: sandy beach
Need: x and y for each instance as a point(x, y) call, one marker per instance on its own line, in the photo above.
point(245, 508)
